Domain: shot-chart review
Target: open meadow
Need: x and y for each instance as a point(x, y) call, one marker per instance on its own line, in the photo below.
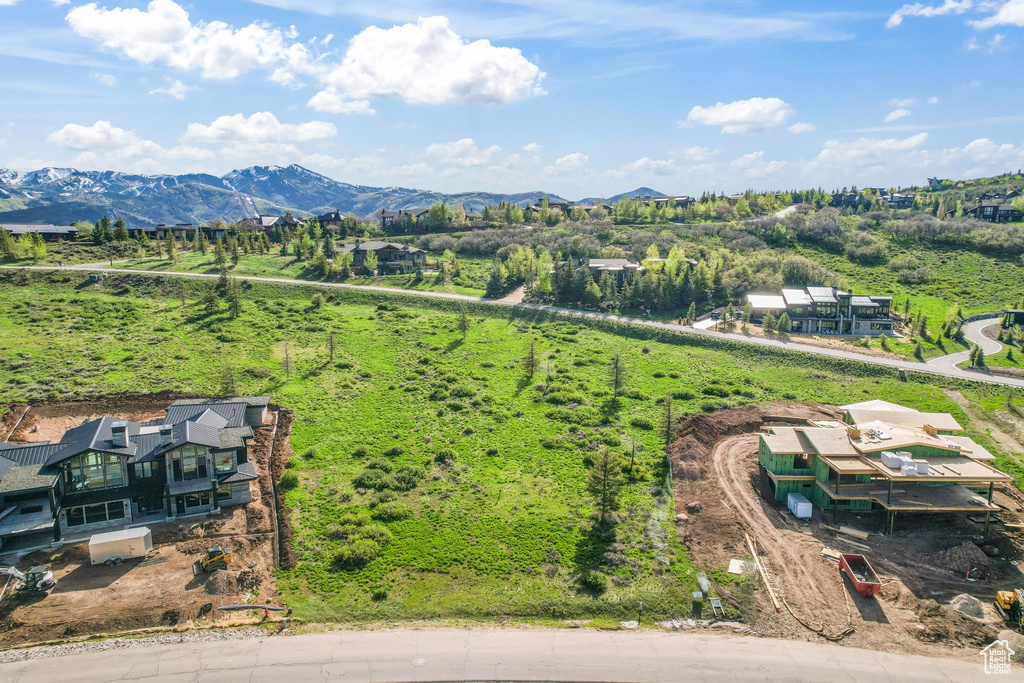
point(433, 476)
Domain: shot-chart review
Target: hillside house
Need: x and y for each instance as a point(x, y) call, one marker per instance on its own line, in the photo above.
point(826, 310)
point(263, 223)
point(391, 256)
point(622, 270)
point(108, 474)
point(1014, 316)
point(332, 220)
point(400, 217)
point(49, 233)
point(898, 201)
point(995, 211)
point(881, 456)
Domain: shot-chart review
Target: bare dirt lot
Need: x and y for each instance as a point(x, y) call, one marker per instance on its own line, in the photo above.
point(160, 590)
point(924, 563)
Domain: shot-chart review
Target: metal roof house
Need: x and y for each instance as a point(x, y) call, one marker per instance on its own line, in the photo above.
point(107, 474)
point(391, 256)
point(50, 233)
point(826, 310)
point(880, 457)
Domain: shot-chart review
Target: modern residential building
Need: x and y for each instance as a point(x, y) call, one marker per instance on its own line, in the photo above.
point(108, 474)
point(391, 256)
point(995, 211)
point(262, 223)
point(50, 233)
point(1014, 316)
point(623, 270)
point(400, 217)
point(881, 456)
point(826, 310)
point(332, 220)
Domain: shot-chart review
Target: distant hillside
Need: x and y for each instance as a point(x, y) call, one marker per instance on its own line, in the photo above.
point(63, 195)
point(640, 191)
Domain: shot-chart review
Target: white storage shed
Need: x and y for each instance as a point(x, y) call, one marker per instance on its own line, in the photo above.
point(799, 505)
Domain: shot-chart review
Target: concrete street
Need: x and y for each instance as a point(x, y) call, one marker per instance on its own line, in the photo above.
point(896, 364)
point(497, 655)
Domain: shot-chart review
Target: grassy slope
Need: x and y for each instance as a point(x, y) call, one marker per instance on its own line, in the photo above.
point(472, 282)
point(506, 528)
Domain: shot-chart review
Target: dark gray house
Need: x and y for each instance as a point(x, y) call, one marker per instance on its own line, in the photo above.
point(108, 474)
point(391, 256)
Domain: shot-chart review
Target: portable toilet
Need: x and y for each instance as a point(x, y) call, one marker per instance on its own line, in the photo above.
point(799, 505)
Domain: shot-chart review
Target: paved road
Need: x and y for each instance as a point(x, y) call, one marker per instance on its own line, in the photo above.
point(738, 337)
point(495, 655)
point(972, 331)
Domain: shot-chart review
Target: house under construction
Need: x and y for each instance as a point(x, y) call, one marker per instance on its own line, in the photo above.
point(881, 456)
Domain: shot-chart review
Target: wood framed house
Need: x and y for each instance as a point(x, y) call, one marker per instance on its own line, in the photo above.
point(883, 457)
point(391, 256)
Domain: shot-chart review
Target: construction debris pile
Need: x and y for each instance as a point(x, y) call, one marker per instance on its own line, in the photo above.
point(970, 561)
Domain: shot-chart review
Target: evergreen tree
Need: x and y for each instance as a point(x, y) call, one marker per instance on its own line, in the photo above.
point(463, 322)
point(604, 482)
point(234, 298)
point(120, 230)
point(768, 322)
point(370, 262)
point(218, 254)
point(616, 375)
point(784, 324)
point(171, 247)
point(7, 249)
point(496, 283)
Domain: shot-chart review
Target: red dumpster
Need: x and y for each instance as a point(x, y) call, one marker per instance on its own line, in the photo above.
point(864, 578)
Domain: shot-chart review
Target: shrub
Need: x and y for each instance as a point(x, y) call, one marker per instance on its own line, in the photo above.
point(391, 512)
point(289, 480)
point(357, 554)
point(394, 451)
point(714, 390)
point(405, 478)
point(683, 395)
point(379, 464)
point(438, 395)
point(360, 452)
point(376, 532)
point(641, 422)
point(310, 453)
point(463, 391)
point(445, 454)
point(594, 581)
point(373, 479)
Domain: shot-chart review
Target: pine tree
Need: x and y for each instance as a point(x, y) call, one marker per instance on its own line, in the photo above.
point(784, 324)
point(496, 283)
point(171, 247)
point(234, 298)
point(604, 481)
point(530, 362)
point(616, 375)
point(768, 322)
point(120, 230)
point(463, 322)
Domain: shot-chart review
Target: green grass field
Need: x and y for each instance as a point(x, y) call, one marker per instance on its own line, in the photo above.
point(472, 280)
point(474, 503)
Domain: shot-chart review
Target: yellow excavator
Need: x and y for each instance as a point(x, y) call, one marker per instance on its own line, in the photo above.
point(216, 558)
point(1010, 605)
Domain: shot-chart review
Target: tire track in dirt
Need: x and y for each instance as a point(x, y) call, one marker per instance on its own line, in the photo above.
point(813, 590)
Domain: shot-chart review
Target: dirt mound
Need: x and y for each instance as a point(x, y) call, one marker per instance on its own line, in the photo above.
point(942, 623)
point(967, 557)
point(222, 583)
point(194, 547)
point(249, 580)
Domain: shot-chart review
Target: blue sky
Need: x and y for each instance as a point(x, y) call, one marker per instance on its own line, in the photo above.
point(575, 98)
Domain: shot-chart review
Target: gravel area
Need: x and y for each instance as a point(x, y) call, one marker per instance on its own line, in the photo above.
point(48, 651)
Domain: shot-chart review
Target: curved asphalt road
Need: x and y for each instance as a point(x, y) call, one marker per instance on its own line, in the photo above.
point(911, 366)
point(496, 655)
point(972, 331)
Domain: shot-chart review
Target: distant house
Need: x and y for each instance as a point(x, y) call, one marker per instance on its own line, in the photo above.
point(826, 310)
point(1014, 316)
point(681, 202)
point(332, 220)
point(400, 217)
point(623, 270)
point(898, 201)
point(934, 184)
point(997, 211)
point(49, 233)
point(107, 474)
point(391, 257)
point(263, 223)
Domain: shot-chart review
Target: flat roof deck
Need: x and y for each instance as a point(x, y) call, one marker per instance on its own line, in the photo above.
point(956, 469)
point(913, 498)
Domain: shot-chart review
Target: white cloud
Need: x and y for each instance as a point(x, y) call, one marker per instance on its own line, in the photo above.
point(569, 163)
point(802, 127)
point(7, 3)
point(260, 128)
point(104, 143)
point(108, 80)
point(427, 63)
point(972, 84)
point(1011, 13)
point(333, 103)
point(907, 102)
point(865, 150)
point(462, 152)
point(644, 167)
point(163, 33)
point(920, 10)
point(972, 44)
point(896, 114)
point(996, 44)
point(933, 100)
point(700, 153)
point(531, 147)
point(753, 165)
point(743, 116)
point(175, 88)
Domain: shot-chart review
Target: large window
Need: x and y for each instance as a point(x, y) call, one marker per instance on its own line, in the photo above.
point(144, 470)
point(91, 471)
point(188, 463)
point(94, 514)
point(194, 500)
point(223, 492)
point(224, 461)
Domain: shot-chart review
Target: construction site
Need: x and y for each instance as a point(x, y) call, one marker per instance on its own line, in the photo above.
point(176, 582)
point(938, 573)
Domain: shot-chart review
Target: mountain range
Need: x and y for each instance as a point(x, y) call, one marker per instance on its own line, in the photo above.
point(65, 195)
